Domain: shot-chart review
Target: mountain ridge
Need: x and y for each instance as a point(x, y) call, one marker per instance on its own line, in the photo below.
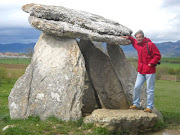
point(167, 49)
point(16, 47)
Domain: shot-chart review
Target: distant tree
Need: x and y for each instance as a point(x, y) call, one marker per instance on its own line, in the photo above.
point(3, 74)
point(29, 52)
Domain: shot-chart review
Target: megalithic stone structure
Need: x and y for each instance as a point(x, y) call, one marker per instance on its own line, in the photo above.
point(70, 78)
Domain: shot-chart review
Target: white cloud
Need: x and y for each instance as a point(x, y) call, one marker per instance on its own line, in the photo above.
point(14, 18)
point(170, 3)
point(155, 17)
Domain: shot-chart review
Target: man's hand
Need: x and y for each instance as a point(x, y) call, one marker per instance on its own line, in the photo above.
point(149, 65)
point(125, 37)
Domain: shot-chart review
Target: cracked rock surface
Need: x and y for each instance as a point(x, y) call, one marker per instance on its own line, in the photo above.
point(132, 121)
point(61, 21)
point(53, 83)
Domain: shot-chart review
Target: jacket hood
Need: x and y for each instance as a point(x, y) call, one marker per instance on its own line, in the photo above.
point(145, 40)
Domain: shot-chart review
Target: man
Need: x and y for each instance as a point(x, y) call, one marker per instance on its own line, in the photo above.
point(146, 68)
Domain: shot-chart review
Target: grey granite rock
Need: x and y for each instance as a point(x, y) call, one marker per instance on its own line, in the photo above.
point(19, 95)
point(53, 84)
point(132, 122)
point(125, 72)
point(61, 21)
point(104, 80)
point(88, 98)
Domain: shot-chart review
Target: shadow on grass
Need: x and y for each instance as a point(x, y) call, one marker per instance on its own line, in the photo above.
point(171, 118)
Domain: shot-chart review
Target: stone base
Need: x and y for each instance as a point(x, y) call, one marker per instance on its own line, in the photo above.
point(132, 121)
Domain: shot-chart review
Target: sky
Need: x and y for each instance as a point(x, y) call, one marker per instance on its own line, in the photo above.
point(159, 19)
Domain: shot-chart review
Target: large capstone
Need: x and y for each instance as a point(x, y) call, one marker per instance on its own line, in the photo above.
point(64, 22)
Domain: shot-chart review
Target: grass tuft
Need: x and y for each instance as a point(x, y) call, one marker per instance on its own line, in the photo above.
point(18, 131)
point(5, 118)
point(34, 119)
point(159, 125)
point(101, 131)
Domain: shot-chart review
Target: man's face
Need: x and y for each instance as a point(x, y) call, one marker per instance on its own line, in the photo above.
point(139, 38)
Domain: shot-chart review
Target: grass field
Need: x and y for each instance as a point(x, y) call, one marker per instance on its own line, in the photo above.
point(170, 59)
point(15, 60)
point(167, 101)
point(169, 65)
point(164, 65)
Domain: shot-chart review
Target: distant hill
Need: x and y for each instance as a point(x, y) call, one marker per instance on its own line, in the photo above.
point(16, 47)
point(167, 49)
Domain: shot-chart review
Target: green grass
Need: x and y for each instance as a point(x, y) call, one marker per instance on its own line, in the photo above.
point(5, 88)
point(51, 126)
point(169, 65)
point(163, 59)
point(167, 100)
point(163, 65)
point(15, 60)
point(171, 59)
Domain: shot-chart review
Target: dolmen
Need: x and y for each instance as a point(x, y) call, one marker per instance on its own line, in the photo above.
point(78, 69)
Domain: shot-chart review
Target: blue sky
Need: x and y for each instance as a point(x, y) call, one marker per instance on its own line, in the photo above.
point(18, 35)
point(159, 19)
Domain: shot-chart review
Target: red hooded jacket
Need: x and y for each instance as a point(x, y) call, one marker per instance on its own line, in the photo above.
point(143, 56)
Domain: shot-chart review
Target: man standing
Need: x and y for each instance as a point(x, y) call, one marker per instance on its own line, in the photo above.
point(148, 57)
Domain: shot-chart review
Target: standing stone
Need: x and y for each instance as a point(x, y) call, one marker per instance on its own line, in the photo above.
point(53, 84)
point(105, 82)
point(18, 98)
point(88, 98)
point(125, 72)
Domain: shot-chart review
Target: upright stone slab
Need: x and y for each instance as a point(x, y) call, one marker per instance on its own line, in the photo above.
point(125, 72)
point(104, 80)
point(53, 83)
point(18, 98)
point(88, 98)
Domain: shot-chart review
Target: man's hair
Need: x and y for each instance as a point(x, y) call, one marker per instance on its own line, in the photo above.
point(139, 32)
